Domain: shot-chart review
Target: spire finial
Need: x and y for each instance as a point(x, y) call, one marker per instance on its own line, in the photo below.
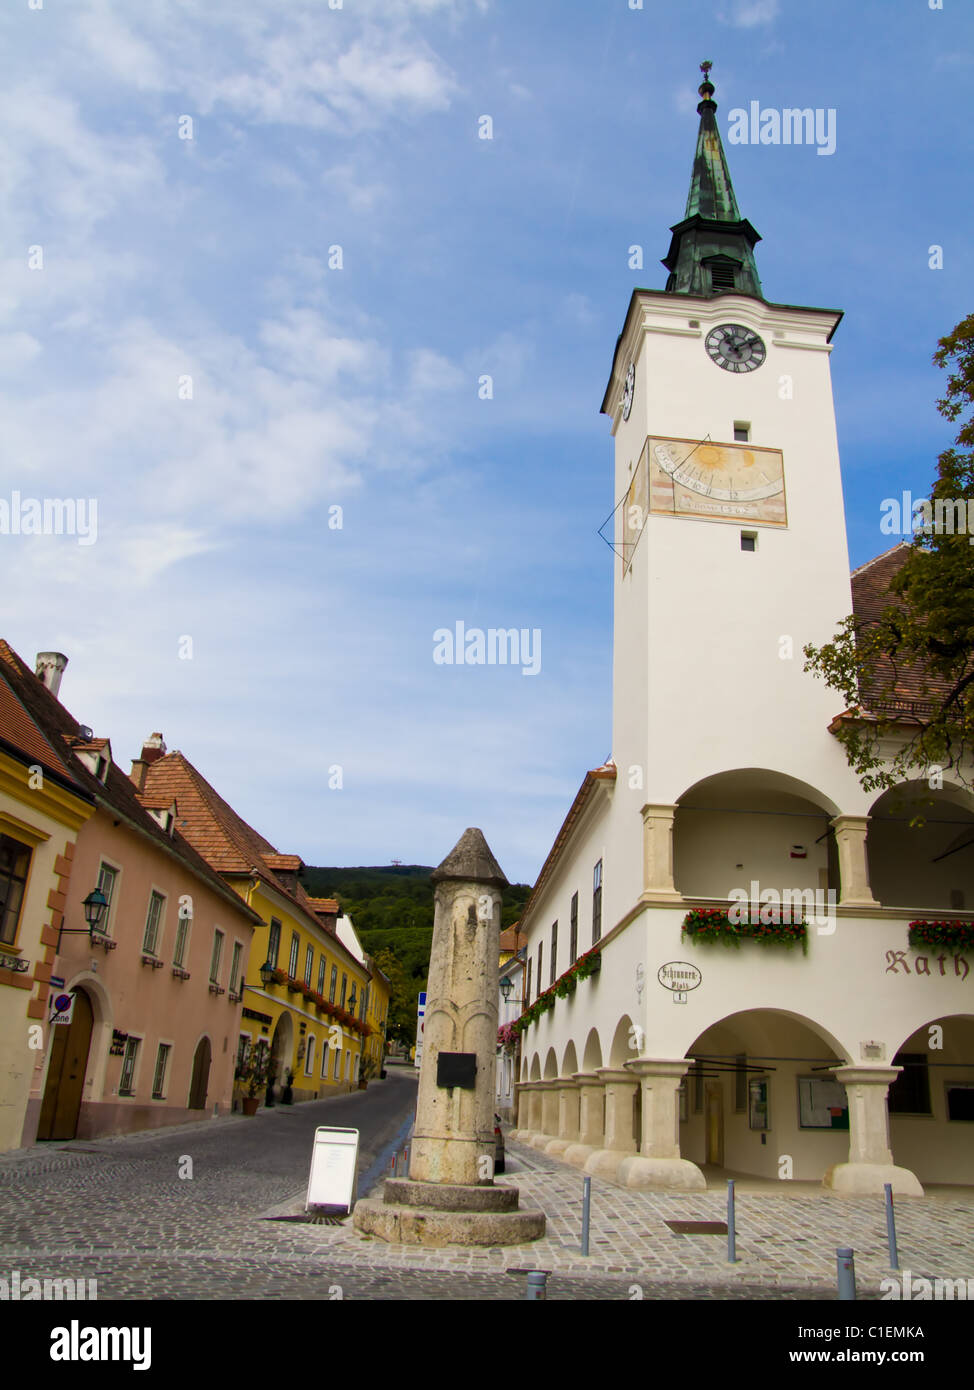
point(706, 88)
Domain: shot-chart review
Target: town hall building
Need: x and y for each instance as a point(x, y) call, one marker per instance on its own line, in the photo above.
point(822, 1045)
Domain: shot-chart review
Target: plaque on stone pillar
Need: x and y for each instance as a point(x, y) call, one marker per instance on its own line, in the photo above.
point(457, 1069)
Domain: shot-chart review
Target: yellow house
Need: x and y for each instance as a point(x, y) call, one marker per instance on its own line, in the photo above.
point(305, 994)
point(377, 1016)
point(42, 809)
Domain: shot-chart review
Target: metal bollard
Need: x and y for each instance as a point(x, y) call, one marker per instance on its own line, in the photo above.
point(537, 1284)
point(731, 1224)
point(846, 1274)
point(894, 1255)
point(586, 1211)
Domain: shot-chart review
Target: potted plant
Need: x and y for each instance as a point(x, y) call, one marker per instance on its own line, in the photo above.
point(253, 1073)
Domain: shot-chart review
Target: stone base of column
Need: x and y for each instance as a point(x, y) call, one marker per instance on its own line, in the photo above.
point(540, 1141)
point(867, 1179)
point(579, 1154)
point(678, 1174)
point(558, 1146)
point(437, 1214)
point(604, 1163)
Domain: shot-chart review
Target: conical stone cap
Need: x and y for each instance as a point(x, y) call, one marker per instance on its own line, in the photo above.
point(470, 859)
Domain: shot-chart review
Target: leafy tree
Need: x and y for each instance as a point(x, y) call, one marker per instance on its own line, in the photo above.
point(926, 633)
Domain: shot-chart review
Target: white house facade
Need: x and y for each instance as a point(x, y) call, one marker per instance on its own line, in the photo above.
point(848, 1056)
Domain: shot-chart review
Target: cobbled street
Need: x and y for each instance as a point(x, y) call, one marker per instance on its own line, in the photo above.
point(117, 1211)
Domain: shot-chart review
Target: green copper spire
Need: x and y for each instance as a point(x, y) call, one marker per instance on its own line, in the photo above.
point(712, 251)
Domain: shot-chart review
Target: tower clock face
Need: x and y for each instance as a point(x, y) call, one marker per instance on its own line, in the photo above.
point(735, 348)
point(629, 391)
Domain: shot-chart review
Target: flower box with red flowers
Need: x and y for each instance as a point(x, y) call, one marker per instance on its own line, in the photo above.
point(707, 924)
point(953, 936)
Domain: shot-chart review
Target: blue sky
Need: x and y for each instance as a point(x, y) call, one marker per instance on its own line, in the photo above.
point(313, 387)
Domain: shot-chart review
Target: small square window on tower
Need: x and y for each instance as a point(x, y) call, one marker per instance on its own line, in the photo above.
point(749, 540)
point(742, 431)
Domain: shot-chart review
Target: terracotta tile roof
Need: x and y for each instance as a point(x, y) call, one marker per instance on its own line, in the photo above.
point(870, 595)
point(324, 904)
point(293, 863)
point(18, 729)
point(512, 939)
point(221, 836)
point(117, 793)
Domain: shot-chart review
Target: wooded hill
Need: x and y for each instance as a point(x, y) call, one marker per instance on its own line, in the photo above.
point(391, 907)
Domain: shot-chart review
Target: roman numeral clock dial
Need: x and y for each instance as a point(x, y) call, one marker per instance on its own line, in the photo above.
point(735, 348)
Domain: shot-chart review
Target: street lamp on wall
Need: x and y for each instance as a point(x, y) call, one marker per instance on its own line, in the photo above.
point(267, 972)
point(95, 906)
point(507, 984)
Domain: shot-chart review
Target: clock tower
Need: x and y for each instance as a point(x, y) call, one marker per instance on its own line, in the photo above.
point(730, 528)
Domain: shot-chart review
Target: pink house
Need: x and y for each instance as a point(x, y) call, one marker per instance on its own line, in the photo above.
point(157, 995)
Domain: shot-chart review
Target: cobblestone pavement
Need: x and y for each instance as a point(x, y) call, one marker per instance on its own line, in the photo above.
point(117, 1211)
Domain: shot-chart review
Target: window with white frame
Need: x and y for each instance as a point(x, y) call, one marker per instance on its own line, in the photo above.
point(126, 1085)
point(153, 923)
point(159, 1076)
point(14, 866)
point(338, 1061)
point(334, 984)
point(292, 966)
point(235, 980)
point(573, 931)
point(309, 961)
point(309, 1057)
point(597, 903)
point(182, 939)
point(274, 942)
point(324, 1061)
point(107, 881)
point(215, 957)
point(321, 974)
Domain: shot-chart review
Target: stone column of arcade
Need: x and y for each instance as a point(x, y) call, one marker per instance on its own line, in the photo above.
point(870, 1164)
point(659, 1162)
point(591, 1121)
point(548, 1128)
point(620, 1088)
point(450, 1196)
point(568, 1107)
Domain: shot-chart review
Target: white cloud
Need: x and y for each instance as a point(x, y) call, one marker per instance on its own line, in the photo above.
point(747, 14)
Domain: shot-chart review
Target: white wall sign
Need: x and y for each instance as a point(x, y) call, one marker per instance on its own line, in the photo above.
point(62, 1008)
point(334, 1160)
point(420, 1019)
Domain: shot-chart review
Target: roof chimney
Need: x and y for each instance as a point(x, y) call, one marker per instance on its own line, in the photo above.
point(49, 668)
point(153, 748)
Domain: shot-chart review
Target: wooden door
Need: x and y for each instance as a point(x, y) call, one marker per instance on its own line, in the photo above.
point(715, 1123)
point(201, 1075)
point(64, 1089)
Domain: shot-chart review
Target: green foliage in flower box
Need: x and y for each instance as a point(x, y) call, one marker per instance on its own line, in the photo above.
point(713, 924)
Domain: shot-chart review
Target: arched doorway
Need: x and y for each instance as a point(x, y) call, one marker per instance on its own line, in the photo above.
point(201, 1075)
point(64, 1088)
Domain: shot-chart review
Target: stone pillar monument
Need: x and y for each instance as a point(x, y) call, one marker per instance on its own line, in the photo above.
point(450, 1196)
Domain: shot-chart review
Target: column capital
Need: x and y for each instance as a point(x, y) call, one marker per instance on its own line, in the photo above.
point(866, 1076)
point(587, 1078)
point(661, 810)
point(567, 1083)
point(659, 1066)
point(844, 821)
point(615, 1076)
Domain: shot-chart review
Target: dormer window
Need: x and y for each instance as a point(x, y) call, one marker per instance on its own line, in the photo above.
point(96, 754)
